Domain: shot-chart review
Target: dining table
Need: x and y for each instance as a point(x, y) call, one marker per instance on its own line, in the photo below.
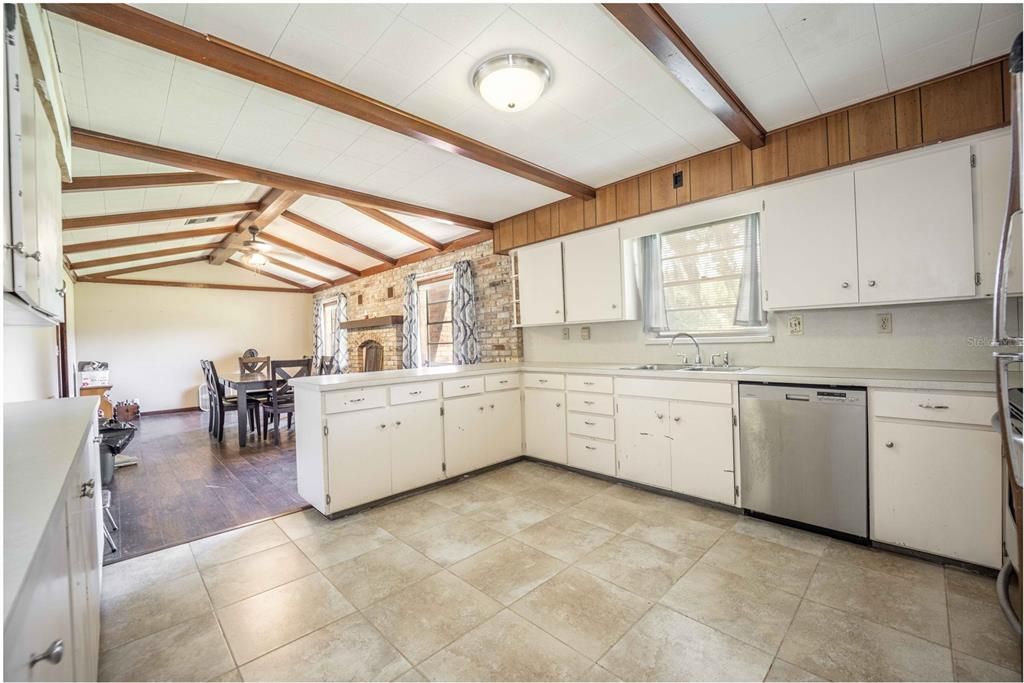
point(243, 383)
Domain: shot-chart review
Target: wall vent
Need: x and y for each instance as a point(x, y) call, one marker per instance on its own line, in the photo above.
point(197, 221)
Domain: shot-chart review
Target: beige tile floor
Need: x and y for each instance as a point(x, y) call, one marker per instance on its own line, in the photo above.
point(533, 573)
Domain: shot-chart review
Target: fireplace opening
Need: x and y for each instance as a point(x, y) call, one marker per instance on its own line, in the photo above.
point(371, 355)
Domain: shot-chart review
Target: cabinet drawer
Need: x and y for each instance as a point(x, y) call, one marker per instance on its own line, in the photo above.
point(596, 426)
point(589, 383)
point(354, 399)
point(413, 393)
point(974, 409)
point(503, 381)
point(463, 387)
point(596, 456)
point(591, 403)
point(677, 390)
point(543, 380)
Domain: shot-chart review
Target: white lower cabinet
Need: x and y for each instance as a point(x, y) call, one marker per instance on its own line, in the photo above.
point(642, 441)
point(701, 438)
point(417, 445)
point(464, 434)
point(359, 457)
point(503, 426)
point(544, 425)
point(591, 454)
point(935, 488)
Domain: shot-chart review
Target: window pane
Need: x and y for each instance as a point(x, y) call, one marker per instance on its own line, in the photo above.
point(439, 334)
point(438, 312)
point(703, 320)
point(707, 238)
point(438, 291)
point(721, 292)
point(698, 266)
point(439, 354)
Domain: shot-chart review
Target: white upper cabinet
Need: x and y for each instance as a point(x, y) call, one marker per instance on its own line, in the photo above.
point(915, 228)
point(593, 277)
point(991, 188)
point(809, 244)
point(540, 284)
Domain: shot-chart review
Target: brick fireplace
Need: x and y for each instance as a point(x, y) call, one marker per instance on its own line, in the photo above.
point(385, 331)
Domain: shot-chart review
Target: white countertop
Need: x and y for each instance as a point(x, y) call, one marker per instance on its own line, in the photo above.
point(41, 440)
point(893, 378)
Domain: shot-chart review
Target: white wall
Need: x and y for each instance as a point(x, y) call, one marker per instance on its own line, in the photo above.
point(154, 337)
point(30, 362)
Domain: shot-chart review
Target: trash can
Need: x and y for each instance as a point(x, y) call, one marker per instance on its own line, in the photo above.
point(114, 438)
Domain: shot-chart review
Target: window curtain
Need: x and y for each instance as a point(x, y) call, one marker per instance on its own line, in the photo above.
point(749, 309)
point(341, 335)
point(318, 328)
point(465, 334)
point(652, 290)
point(410, 324)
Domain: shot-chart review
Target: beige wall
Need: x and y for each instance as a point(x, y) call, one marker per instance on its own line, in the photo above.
point(30, 357)
point(154, 337)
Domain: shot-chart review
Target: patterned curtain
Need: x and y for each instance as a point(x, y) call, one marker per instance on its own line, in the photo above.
point(341, 336)
point(318, 328)
point(411, 324)
point(464, 329)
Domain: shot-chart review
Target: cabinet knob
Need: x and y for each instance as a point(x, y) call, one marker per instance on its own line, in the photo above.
point(63, 291)
point(383, 426)
point(615, 305)
point(52, 654)
point(677, 419)
point(661, 416)
point(36, 256)
point(871, 283)
point(846, 285)
point(557, 312)
point(492, 406)
point(558, 405)
point(398, 423)
point(481, 409)
point(888, 444)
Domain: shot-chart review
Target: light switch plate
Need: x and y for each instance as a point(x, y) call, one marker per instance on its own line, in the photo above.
point(565, 333)
point(884, 323)
point(585, 333)
point(796, 324)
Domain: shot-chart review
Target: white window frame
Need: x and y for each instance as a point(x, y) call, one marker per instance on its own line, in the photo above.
point(428, 278)
point(328, 332)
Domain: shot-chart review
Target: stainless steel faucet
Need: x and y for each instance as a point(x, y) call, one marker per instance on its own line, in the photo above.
point(672, 344)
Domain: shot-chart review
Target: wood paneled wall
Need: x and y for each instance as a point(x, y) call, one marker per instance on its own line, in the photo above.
point(962, 103)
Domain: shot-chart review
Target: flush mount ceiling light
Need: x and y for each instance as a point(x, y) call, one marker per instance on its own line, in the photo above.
point(256, 259)
point(511, 82)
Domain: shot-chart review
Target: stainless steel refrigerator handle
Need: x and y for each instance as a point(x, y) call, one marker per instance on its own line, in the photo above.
point(999, 335)
point(1012, 441)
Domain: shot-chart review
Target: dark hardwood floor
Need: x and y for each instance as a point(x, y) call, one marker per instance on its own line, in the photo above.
point(187, 486)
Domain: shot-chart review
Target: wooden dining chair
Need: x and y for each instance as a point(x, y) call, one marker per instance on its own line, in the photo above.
point(327, 365)
point(253, 364)
point(220, 404)
point(281, 400)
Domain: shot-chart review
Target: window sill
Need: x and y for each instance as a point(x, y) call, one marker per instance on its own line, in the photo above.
point(716, 339)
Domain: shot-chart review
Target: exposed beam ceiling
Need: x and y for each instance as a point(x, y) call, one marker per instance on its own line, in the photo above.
point(272, 276)
point(159, 215)
point(399, 226)
point(110, 144)
point(295, 269)
point(146, 239)
point(653, 27)
point(150, 30)
point(148, 266)
point(318, 229)
point(285, 244)
point(271, 206)
point(142, 256)
point(137, 181)
point(192, 285)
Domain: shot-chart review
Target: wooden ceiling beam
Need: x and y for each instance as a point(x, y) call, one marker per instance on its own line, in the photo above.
point(158, 215)
point(192, 285)
point(272, 276)
point(150, 30)
point(660, 34)
point(399, 226)
point(139, 181)
point(141, 256)
point(285, 244)
point(110, 144)
point(326, 232)
point(146, 239)
point(148, 266)
point(271, 206)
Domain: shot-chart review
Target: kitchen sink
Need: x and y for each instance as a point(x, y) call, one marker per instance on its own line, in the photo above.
point(655, 366)
point(675, 367)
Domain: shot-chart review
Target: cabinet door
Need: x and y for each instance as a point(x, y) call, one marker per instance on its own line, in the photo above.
point(540, 284)
point(642, 443)
point(593, 276)
point(936, 489)
point(463, 432)
point(544, 424)
point(809, 244)
point(85, 548)
point(915, 228)
point(417, 443)
point(358, 457)
point(702, 451)
point(504, 425)
point(48, 218)
point(991, 187)
point(27, 284)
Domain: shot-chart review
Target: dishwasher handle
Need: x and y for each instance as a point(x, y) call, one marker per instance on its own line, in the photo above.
point(797, 397)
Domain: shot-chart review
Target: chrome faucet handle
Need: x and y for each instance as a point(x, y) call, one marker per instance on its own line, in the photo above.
point(725, 359)
point(682, 357)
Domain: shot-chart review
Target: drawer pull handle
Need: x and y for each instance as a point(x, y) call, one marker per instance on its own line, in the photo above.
point(415, 393)
point(356, 400)
point(589, 423)
point(502, 381)
point(88, 489)
point(591, 448)
point(588, 384)
point(889, 444)
point(52, 654)
point(463, 386)
point(542, 381)
point(588, 403)
point(929, 406)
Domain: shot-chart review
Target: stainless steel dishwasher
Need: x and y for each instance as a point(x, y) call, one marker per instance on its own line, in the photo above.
point(804, 455)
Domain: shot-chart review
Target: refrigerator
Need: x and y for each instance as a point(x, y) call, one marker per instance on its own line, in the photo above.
point(1009, 361)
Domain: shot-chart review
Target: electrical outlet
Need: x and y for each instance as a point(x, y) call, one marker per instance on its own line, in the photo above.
point(565, 333)
point(884, 323)
point(796, 324)
point(585, 333)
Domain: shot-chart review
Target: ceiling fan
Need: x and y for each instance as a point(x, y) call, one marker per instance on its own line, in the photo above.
point(257, 250)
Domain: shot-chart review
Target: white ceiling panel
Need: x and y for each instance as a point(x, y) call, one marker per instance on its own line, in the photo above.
point(130, 264)
point(204, 272)
point(320, 245)
point(256, 26)
point(999, 25)
point(140, 248)
point(442, 232)
point(280, 271)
